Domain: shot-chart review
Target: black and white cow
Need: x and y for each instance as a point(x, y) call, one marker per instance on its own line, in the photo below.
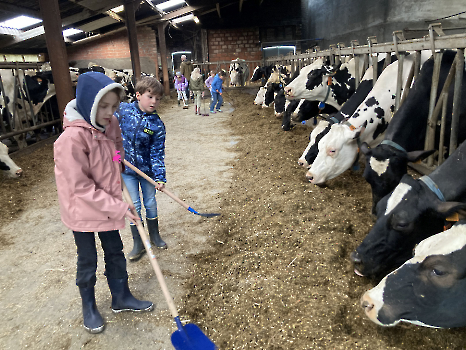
point(260, 96)
point(415, 210)
point(365, 86)
point(261, 72)
point(428, 289)
point(239, 71)
point(405, 136)
point(7, 166)
point(303, 111)
point(321, 81)
point(338, 149)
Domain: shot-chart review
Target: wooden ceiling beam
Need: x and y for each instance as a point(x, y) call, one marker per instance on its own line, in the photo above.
point(19, 10)
point(217, 5)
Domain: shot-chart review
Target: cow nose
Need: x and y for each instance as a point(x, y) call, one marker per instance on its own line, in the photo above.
point(355, 259)
point(288, 90)
point(309, 176)
point(19, 172)
point(367, 305)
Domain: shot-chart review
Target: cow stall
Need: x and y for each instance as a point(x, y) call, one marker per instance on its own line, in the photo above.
point(436, 42)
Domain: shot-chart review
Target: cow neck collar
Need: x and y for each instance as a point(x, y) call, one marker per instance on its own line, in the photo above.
point(433, 187)
point(329, 83)
point(394, 145)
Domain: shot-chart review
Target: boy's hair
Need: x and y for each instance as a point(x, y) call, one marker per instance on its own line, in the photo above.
point(150, 84)
point(222, 73)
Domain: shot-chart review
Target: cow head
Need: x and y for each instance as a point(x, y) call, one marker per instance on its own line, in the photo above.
point(7, 165)
point(411, 213)
point(427, 290)
point(310, 153)
point(385, 166)
point(272, 89)
point(297, 88)
point(337, 151)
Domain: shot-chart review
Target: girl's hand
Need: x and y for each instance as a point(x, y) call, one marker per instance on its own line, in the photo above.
point(131, 217)
point(202, 93)
point(160, 186)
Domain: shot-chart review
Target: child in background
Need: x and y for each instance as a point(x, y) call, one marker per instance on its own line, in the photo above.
point(216, 92)
point(180, 85)
point(197, 85)
point(209, 80)
point(143, 135)
point(88, 176)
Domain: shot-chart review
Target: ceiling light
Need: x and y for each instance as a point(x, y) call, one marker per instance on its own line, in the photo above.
point(196, 19)
point(118, 9)
point(183, 18)
point(170, 3)
point(71, 31)
point(20, 22)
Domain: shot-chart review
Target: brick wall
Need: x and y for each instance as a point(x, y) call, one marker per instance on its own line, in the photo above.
point(228, 44)
point(115, 46)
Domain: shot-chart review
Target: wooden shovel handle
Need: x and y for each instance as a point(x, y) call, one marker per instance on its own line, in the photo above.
point(153, 260)
point(167, 192)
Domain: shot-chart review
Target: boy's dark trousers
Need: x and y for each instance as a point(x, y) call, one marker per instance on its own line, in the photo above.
point(115, 262)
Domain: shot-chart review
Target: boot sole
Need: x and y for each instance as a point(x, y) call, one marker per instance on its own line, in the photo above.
point(95, 330)
point(150, 308)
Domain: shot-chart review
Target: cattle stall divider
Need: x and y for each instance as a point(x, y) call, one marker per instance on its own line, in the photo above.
point(436, 41)
point(17, 109)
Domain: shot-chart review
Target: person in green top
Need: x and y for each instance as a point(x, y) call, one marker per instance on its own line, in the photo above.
point(197, 87)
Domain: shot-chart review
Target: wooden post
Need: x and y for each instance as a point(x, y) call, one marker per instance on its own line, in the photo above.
point(57, 52)
point(163, 55)
point(130, 9)
point(156, 54)
point(204, 45)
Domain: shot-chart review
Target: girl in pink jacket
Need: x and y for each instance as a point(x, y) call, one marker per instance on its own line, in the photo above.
point(87, 173)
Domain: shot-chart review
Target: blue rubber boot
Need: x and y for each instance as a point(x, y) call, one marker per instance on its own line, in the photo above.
point(93, 321)
point(123, 300)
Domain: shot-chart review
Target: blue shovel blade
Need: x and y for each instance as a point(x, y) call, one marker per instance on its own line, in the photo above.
point(190, 337)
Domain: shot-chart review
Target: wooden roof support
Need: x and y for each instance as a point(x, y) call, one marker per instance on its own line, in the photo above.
point(57, 52)
point(130, 9)
point(240, 5)
point(218, 10)
point(163, 56)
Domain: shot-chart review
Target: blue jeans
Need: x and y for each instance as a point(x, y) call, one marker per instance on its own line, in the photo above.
point(115, 262)
point(216, 99)
point(132, 182)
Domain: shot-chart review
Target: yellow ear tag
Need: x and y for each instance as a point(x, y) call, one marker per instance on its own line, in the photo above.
point(453, 217)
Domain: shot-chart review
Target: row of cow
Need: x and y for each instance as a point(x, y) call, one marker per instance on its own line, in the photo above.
point(409, 212)
point(26, 91)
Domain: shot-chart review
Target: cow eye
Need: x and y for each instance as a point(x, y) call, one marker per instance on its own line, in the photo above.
point(437, 272)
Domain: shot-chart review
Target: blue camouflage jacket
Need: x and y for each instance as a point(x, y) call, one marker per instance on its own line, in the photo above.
point(143, 140)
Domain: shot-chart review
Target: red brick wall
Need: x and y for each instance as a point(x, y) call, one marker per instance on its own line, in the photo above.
point(229, 44)
point(115, 46)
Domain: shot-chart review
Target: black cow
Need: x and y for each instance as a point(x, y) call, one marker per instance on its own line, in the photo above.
point(304, 110)
point(405, 136)
point(427, 290)
point(415, 210)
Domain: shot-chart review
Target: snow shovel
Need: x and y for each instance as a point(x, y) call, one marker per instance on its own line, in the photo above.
point(190, 336)
point(167, 192)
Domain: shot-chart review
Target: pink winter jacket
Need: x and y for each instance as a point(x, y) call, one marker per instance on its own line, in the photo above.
point(87, 174)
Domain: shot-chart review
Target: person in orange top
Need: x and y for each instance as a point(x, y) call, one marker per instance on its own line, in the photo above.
point(88, 176)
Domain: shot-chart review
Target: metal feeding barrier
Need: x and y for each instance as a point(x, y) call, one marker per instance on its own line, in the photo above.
point(437, 42)
point(21, 118)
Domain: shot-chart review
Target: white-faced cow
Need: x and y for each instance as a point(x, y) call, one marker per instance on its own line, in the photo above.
point(339, 149)
point(405, 136)
point(7, 166)
point(321, 81)
point(428, 289)
point(260, 97)
point(239, 72)
point(365, 86)
point(415, 210)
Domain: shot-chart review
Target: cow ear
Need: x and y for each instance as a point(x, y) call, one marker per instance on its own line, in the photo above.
point(365, 149)
point(448, 208)
point(415, 156)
